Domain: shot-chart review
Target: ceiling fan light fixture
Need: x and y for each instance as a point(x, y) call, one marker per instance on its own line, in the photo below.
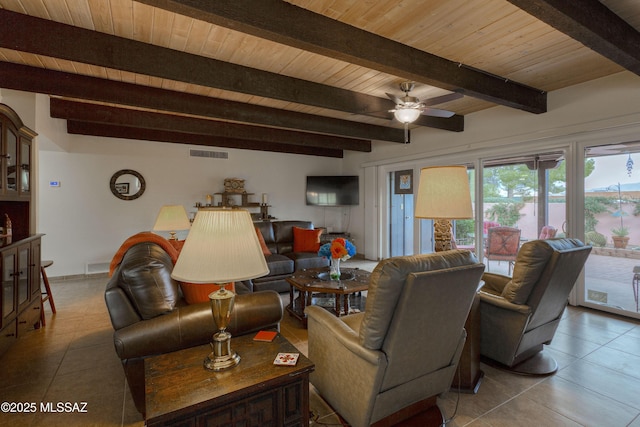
point(406, 115)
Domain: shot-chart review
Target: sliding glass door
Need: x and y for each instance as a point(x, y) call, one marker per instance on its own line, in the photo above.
point(528, 193)
point(525, 194)
point(612, 227)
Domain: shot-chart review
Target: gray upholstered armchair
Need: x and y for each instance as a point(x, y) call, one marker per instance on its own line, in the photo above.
point(395, 358)
point(520, 314)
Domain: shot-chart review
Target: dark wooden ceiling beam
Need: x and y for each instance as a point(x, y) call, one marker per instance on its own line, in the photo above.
point(124, 132)
point(288, 24)
point(33, 79)
point(97, 113)
point(591, 23)
point(44, 37)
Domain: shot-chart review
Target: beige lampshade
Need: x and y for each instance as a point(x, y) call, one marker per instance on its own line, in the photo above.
point(172, 218)
point(222, 247)
point(443, 193)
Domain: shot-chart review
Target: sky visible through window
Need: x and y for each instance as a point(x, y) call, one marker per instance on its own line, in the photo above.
point(611, 170)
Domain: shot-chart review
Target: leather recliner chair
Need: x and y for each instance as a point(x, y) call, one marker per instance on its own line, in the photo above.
point(392, 360)
point(150, 316)
point(519, 314)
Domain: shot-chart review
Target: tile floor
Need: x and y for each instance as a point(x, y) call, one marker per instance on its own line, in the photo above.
point(72, 360)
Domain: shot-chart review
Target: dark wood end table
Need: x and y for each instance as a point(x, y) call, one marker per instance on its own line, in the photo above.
point(469, 375)
point(180, 391)
point(347, 291)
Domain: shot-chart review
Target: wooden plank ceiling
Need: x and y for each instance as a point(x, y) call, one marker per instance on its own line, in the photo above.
point(302, 76)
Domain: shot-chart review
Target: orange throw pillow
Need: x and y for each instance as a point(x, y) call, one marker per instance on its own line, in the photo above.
point(305, 240)
point(199, 292)
point(263, 245)
point(177, 244)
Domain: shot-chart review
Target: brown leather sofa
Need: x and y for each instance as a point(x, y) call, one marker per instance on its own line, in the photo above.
point(283, 261)
point(150, 316)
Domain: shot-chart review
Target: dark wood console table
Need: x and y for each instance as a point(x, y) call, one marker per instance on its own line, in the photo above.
point(469, 375)
point(180, 391)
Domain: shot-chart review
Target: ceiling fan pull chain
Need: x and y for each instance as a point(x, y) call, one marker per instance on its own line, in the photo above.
point(407, 133)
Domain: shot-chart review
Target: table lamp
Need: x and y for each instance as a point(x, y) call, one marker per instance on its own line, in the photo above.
point(221, 247)
point(443, 195)
point(172, 218)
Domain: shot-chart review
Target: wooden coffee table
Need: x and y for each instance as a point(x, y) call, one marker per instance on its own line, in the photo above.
point(314, 289)
point(180, 391)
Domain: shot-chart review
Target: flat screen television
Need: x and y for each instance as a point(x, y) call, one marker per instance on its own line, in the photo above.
point(340, 190)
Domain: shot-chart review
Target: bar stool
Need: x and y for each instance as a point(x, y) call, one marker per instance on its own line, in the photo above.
point(46, 295)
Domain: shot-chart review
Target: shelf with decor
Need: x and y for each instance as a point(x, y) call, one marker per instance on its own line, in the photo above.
point(229, 200)
point(234, 196)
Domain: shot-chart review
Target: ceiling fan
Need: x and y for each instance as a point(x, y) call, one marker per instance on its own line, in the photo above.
point(409, 108)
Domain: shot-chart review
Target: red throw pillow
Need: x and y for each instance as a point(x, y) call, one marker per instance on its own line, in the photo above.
point(199, 292)
point(263, 245)
point(306, 240)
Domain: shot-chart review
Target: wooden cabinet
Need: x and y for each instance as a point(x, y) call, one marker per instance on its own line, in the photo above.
point(21, 275)
point(34, 268)
point(16, 276)
point(256, 393)
point(16, 176)
point(24, 154)
point(20, 299)
point(9, 288)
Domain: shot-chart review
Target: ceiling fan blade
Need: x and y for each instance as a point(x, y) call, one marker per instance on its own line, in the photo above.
point(394, 98)
point(442, 99)
point(436, 112)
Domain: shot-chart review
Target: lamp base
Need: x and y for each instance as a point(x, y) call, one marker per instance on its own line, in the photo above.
point(442, 234)
point(222, 356)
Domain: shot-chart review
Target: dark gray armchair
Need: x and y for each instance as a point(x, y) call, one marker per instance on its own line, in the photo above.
point(395, 358)
point(520, 314)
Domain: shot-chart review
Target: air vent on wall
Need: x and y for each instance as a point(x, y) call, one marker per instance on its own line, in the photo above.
point(210, 154)
point(96, 267)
